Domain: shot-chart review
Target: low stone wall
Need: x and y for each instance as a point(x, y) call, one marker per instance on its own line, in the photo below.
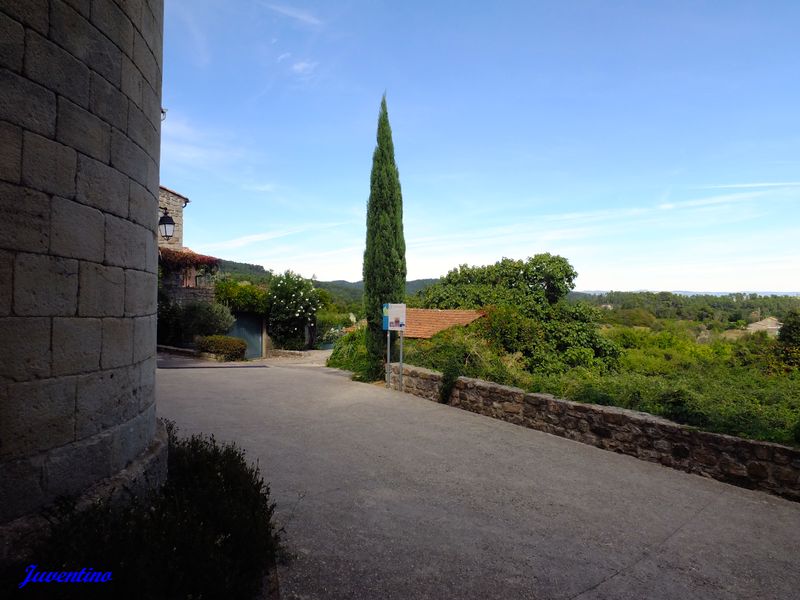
point(756, 465)
point(186, 295)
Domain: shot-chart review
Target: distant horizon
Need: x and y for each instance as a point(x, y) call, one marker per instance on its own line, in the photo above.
point(598, 292)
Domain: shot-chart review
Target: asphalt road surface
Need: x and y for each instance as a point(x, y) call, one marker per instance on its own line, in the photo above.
point(385, 495)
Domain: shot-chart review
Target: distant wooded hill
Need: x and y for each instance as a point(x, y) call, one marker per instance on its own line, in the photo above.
point(353, 291)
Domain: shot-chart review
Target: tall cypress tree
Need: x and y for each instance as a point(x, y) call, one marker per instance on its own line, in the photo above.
point(385, 254)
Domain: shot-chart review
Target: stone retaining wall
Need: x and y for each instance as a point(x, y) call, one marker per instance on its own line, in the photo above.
point(752, 464)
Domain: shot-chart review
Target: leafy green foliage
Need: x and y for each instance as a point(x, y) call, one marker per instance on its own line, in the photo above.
point(227, 347)
point(243, 296)
point(385, 253)
point(293, 306)
point(727, 310)
point(350, 354)
point(531, 285)
point(178, 325)
point(288, 302)
point(789, 333)
point(208, 533)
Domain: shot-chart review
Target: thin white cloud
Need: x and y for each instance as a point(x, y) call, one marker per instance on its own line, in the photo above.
point(746, 186)
point(184, 144)
point(248, 240)
point(283, 57)
point(259, 187)
point(304, 67)
point(303, 16)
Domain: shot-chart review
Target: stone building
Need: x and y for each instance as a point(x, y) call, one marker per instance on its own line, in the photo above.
point(80, 118)
point(174, 203)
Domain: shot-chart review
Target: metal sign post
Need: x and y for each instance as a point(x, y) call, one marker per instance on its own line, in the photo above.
point(388, 358)
point(394, 319)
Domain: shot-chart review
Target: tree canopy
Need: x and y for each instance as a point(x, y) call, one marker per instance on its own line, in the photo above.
point(385, 253)
point(532, 285)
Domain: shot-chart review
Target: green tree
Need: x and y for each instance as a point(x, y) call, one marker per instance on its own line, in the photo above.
point(790, 330)
point(385, 254)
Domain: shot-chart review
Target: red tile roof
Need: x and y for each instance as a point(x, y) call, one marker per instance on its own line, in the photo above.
point(426, 322)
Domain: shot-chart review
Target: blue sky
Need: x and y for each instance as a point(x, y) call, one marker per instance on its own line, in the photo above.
point(656, 145)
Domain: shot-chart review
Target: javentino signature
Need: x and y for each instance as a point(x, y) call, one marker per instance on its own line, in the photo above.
point(82, 576)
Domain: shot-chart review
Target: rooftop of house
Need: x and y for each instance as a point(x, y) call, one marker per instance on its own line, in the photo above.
point(424, 323)
point(768, 324)
point(184, 198)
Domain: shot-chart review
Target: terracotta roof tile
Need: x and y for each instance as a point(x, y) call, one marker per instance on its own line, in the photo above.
point(426, 322)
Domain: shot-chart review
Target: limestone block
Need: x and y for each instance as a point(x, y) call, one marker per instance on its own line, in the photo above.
point(126, 243)
point(10, 148)
point(133, 438)
point(141, 292)
point(142, 131)
point(128, 157)
point(25, 215)
point(83, 131)
point(106, 101)
point(37, 415)
point(144, 59)
point(102, 291)
point(105, 399)
point(111, 20)
point(143, 206)
point(57, 69)
point(27, 104)
point(6, 277)
point(102, 187)
point(33, 13)
point(151, 105)
point(117, 342)
point(76, 345)
point(144, 338)
point(153, 173)
point(45, 285)
point(12, 43)
point(151, 30)
point(82, 6)
point(69, 469)
point(25, 348)
point(48, 166)
point(20, 486)
point(133, 9)
point(78, 231)
point(132, 81)
point(83, 40)
point(147, 382)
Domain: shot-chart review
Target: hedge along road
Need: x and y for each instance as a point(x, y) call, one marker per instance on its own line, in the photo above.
point(385, 495)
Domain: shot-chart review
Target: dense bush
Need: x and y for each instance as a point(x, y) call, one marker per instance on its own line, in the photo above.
point(350, 354)
point(330, 326)
point(227, 347)
point(208, 533)
point(293, 304)
point(178, 325)
point(287, 301)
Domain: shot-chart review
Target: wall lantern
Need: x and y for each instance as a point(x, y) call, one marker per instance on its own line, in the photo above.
point(166, 225)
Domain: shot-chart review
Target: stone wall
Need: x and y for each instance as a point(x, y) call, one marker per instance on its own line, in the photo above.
point(174, 203)
point(757, 465)
point(80, 106)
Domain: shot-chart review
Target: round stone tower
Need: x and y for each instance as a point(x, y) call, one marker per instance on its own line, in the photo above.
point(80, 117)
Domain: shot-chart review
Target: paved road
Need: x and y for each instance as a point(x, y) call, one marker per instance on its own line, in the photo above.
point(385, 495)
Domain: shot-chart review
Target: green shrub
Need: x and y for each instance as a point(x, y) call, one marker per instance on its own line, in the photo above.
point(208, 533)
point(206, 318)
point(350, 354)
point(178, 325)
point(229, 348)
